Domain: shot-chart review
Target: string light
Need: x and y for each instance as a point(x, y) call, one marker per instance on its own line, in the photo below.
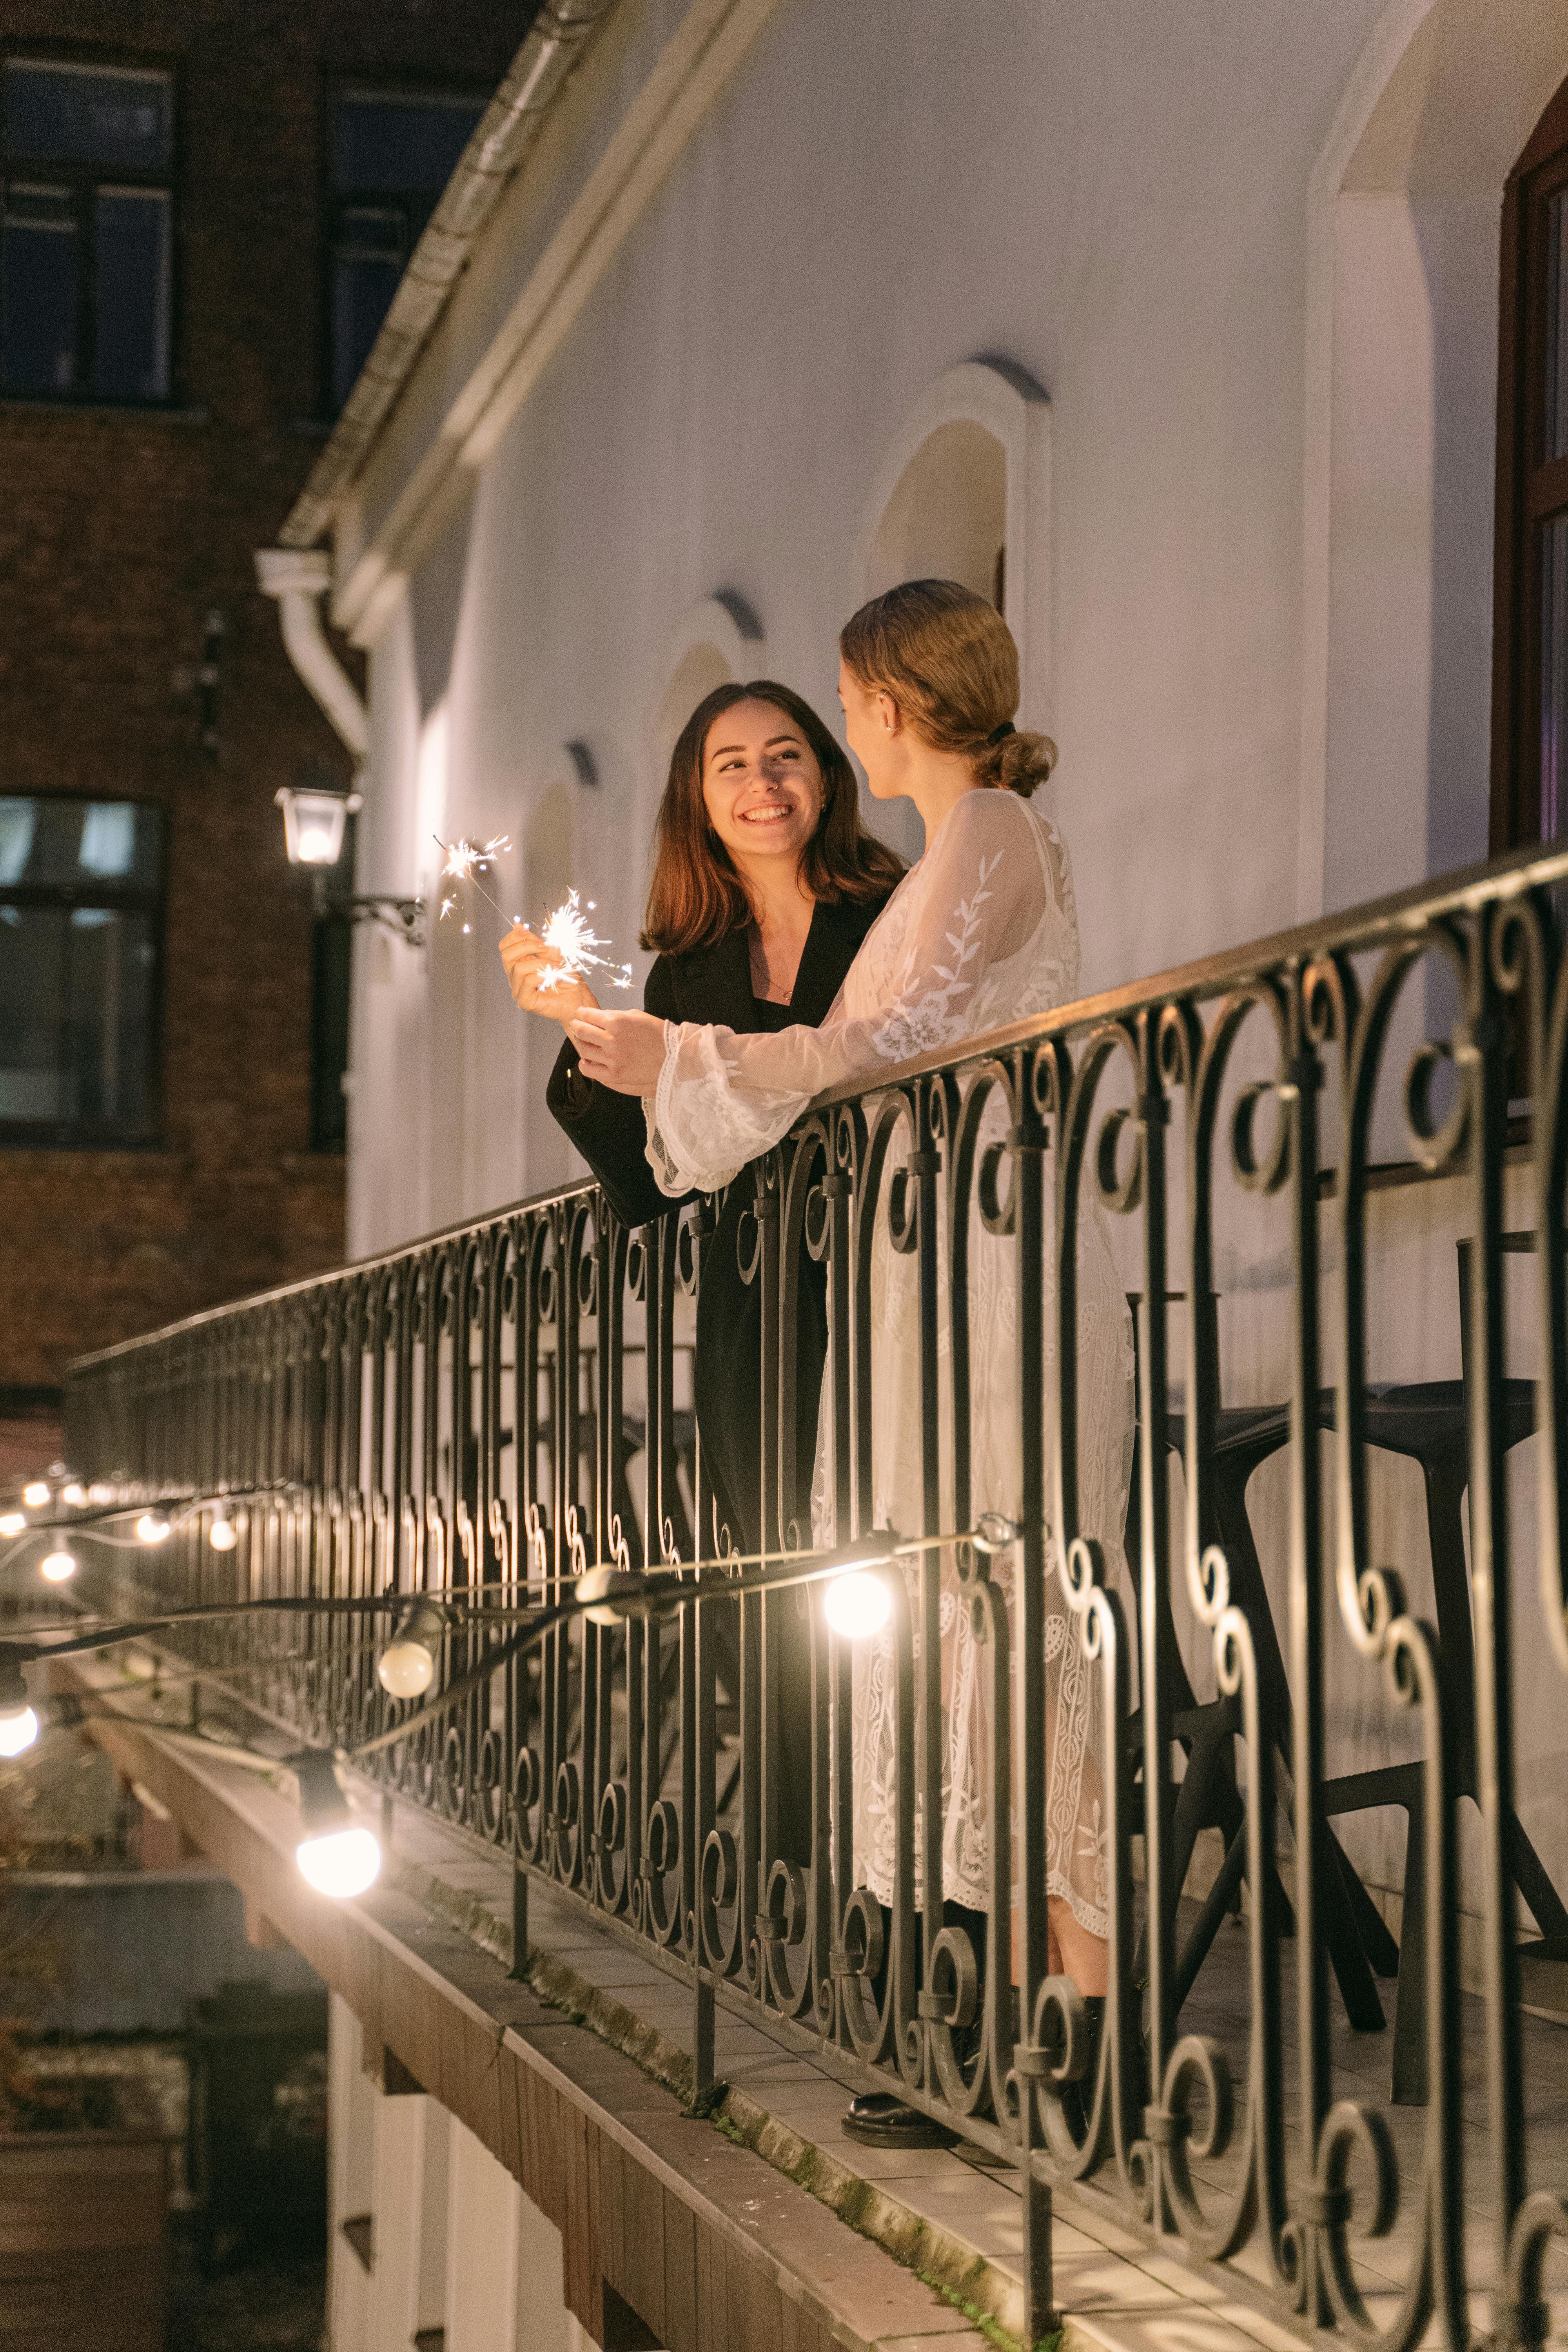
point(75, 1496)
point(56, 1566)
point(857, 1604)
point(151, 1529)
point(407, 1668)
point(18, 1723)
point(223, 1534)
point(334, 1856)
point(12, 1523)
point(35, 1494)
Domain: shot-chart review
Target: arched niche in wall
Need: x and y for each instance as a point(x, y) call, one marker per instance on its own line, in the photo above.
point(964, 493)
point(719, 639)
point(1401, 407)
point(549, 845)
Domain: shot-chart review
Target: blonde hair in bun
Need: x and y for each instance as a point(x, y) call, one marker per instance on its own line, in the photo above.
point(948, 659)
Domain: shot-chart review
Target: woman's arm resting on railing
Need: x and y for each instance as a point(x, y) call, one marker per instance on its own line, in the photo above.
point(719, 1100)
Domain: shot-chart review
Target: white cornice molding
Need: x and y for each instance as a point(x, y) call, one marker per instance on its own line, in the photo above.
point(690, 73)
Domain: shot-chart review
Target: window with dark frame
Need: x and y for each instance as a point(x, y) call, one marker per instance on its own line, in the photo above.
point(391, 154)
point(81, 934)
point(1529, 641)
point(86, 231)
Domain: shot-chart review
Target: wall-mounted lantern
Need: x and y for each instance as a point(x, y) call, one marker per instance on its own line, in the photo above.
point(316, 811)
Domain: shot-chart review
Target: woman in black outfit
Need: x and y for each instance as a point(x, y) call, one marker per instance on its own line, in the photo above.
point(764, 884)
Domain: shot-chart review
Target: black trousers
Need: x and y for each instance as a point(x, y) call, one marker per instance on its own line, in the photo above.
point(729, 1399)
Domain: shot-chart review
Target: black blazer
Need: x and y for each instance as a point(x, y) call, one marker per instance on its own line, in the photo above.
point(715, 984)
point(712, 984)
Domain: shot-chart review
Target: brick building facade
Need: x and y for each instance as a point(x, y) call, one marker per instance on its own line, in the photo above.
point(127, 532)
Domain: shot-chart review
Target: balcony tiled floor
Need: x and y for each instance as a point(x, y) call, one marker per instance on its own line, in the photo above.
point(1118, 2290)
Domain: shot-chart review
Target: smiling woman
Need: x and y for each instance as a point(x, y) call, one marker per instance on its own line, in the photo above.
point(764, 885)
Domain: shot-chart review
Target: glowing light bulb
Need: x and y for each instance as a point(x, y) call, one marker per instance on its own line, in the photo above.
point(151, 1527)
point(75, 1495)
point(223, 1534)
point(12, 1522)
point(18, 1730)
point(35, 1494)
point(406, 1669)
point(856, 1605)
point(342, 1862)
point(57, 1566)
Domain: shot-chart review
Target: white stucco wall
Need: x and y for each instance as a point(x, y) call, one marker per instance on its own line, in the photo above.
point(1115, 199)
point(456, 2245)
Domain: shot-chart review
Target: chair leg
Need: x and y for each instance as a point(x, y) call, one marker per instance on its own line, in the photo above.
point(1529, 1877)
point(1410, 2088)
point(1341, 1932)
point(1376, 1939)
point(1207, 1926)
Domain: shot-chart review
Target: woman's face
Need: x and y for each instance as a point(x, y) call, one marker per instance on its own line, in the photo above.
point(761, 786)
point(873, 733)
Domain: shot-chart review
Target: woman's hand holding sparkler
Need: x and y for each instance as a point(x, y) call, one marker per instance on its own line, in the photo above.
point(623, 1051)
point(538, 979)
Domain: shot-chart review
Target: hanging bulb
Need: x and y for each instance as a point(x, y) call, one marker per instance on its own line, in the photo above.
point(75, 1495)
point(152, 1528)
point(334, 1856)
point(57, 1566)
point(407, 1668)
point(35, 1494)
point(18, 1723)
point(12, 1522)
point(340, 1862)
point(19, 1730)
point(856, 1605)
point(223, 1534)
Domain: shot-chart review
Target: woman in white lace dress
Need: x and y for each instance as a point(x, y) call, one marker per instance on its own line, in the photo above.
point(981, 930)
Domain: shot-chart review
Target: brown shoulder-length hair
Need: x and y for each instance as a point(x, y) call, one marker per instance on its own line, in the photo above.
point(696, 897)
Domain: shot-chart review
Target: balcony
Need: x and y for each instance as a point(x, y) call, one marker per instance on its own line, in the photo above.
point(1325, 1638)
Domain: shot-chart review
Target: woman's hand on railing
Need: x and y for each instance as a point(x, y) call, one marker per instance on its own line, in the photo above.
point(624, 1051)
point(528, 961)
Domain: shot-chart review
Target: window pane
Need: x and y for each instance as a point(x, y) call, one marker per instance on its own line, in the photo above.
point(383, 145)
point(1553, 676)
point(363, 287)
point(58, 841)
point(131, 356)
point(79, 114)
point(1556, 327)
point(76, 1017)
point(39, 264)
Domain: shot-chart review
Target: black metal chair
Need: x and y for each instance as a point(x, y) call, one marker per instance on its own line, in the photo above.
point(1358, 1940)
point(1427, 1422)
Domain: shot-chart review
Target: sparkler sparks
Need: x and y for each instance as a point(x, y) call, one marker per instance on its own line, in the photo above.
point(568, 935)
point(466, 860)
point(566, 931)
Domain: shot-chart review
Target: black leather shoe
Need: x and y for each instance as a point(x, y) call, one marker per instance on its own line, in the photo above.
point(883, 2121)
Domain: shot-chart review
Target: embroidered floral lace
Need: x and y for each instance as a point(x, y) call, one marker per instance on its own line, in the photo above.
point(983, 930)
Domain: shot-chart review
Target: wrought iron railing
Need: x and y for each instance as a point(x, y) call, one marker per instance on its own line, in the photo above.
point(485, 1414)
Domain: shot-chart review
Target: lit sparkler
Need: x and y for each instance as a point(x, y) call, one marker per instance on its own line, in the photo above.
point(569, 936)
point(466, 861)
point(566, 931)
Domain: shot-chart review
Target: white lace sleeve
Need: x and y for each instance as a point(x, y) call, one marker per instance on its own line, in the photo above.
point(723, 1099)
